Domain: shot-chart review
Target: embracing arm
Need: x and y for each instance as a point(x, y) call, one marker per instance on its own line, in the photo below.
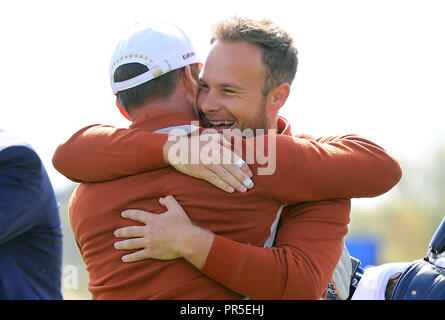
point(300, 265)
point(335, 167)
point(100, 153)
point(308, 246)
point(309, 169)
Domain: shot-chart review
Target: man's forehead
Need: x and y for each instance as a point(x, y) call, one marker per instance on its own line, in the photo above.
point(234, 52)
point(236, 61)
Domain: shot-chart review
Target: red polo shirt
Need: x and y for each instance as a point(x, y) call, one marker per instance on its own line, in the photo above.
point(308, 244)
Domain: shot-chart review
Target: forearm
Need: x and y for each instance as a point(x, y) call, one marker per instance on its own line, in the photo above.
point(284, 273)
point(308, 246)
point(100, 153)
point(330, 168)
point(227, 256)
point(307, 249)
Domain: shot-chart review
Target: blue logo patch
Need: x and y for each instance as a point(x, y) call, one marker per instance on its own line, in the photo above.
point(188, 55)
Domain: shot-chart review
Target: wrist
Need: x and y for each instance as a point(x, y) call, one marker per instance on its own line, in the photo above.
point(195, 245)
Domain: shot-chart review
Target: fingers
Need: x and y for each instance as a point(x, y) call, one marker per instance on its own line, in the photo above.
point(229, 173)
point(238, 146)
point(240, 171)
point(137, 215)
point(130, 244)
point(236, 155)
point(231, 168)
point(227, 178)
point(245, 168)
point(218, 164)
point(214, 179)
point(137, 256)
point(130, 232)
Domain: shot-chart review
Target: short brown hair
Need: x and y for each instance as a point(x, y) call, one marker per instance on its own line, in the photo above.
point(279, 53)
point(160, 88)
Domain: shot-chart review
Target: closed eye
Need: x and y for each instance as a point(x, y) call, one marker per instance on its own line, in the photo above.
point(203, 86)
point(229, 91)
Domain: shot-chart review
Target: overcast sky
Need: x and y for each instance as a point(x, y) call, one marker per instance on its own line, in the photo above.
point(374, 68)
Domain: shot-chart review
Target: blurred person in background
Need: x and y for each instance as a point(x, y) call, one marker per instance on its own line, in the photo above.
point(30, 228)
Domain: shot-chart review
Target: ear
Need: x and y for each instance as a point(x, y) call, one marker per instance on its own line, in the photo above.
point(122, 110)
point(191, 84)
point(277, 97)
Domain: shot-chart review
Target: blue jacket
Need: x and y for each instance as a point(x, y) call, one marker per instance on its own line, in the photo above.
point(30, 228)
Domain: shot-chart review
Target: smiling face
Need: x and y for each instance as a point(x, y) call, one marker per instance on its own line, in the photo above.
point(231, 88)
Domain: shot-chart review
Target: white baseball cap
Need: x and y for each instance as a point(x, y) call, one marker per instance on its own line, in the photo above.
point(161, 46)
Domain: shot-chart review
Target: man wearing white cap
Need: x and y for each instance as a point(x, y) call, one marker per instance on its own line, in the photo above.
point(161, 48)
point(310, 239)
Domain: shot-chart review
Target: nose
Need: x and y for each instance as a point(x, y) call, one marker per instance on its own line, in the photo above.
point(208, 101)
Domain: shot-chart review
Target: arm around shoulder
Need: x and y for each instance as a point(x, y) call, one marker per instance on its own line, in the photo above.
point(100, 153)
point(330, 168)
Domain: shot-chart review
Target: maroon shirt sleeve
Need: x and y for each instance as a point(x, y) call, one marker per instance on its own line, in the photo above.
point(327, 168)
point(308, 246)
point(100, 153)
point(306, 170)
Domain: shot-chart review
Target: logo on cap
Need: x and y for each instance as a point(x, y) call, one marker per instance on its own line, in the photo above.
point(188, 55)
